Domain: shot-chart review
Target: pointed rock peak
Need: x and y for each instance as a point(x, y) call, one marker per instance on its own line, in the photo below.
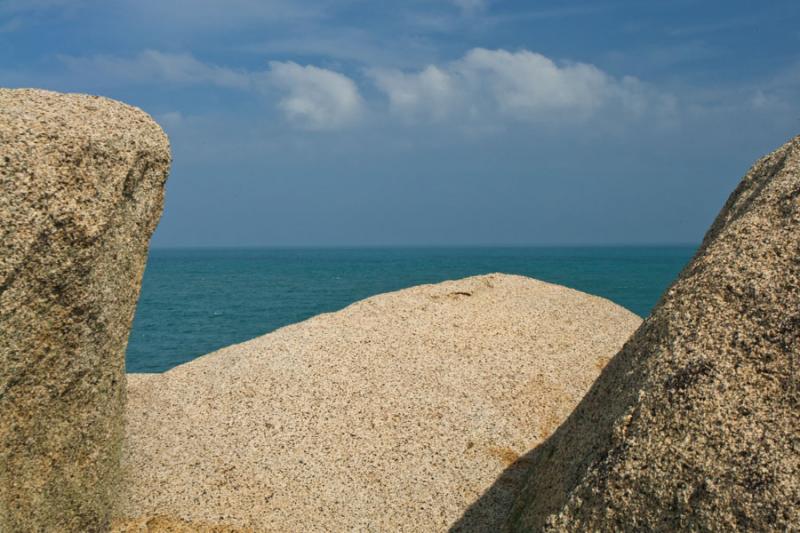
point(694, 425)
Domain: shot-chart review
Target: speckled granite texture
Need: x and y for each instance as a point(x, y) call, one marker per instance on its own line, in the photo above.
point(394, 414)
point(81, 191)
point(695, 424)
point(166, 524)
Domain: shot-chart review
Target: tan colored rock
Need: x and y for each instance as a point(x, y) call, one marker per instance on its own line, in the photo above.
point(695, 424)
point(167, 524)
point(393, 414)
point(81, 190)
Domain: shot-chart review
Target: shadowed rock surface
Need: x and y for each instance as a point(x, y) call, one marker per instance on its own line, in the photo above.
point(81, 191)
point(393, 414)
point(695, 424)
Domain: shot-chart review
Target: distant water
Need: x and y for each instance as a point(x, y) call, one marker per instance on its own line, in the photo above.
point(196, 301)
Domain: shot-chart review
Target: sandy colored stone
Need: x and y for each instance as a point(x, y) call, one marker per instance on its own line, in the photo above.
point(167, 524)
point(695, 424)
point(81, 190)
point(394, 414)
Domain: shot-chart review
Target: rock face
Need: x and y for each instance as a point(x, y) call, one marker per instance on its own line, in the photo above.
point(695, 424)
point(393, 414)
point(166, 524)
point(81, 191)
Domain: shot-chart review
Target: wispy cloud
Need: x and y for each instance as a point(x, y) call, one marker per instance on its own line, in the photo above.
point(471, 6)
point(350, 45)
point(18, 6)
point(13, 24)
point(16, 15)
point(551, 13)
point(725, 24)
point(310, 97)
point(187, 15)
point(152, 66)
point(781, 91)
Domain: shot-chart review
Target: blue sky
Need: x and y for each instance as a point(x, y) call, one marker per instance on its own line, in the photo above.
point(431, 122)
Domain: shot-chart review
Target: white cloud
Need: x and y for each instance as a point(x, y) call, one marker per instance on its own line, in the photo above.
point(170, 119)
point(311, 97)
point(519, 85)
point(529, 83)
point(315, 98)
point(154, 66)
point(428, 93)
point(486, 87)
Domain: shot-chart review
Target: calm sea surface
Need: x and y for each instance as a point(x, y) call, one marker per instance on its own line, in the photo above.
point(196, 301)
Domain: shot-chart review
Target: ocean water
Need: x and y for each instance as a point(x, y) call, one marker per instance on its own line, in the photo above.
point(196, 301)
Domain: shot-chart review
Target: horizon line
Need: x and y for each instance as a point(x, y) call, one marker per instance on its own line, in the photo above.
point(378, 246)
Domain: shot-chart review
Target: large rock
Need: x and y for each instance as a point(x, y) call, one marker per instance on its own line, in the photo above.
point(393, 414)
point(81, 191)
point(695, 424)
point(167, 524)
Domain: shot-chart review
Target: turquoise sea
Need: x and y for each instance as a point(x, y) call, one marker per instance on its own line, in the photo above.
point(196, 301)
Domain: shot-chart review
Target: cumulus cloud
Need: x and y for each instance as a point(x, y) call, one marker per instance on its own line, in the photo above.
point(154, 66)
point(490, 87)
point(530, 83)
point(428, 93)
point(521, 85)
point(315, 98)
